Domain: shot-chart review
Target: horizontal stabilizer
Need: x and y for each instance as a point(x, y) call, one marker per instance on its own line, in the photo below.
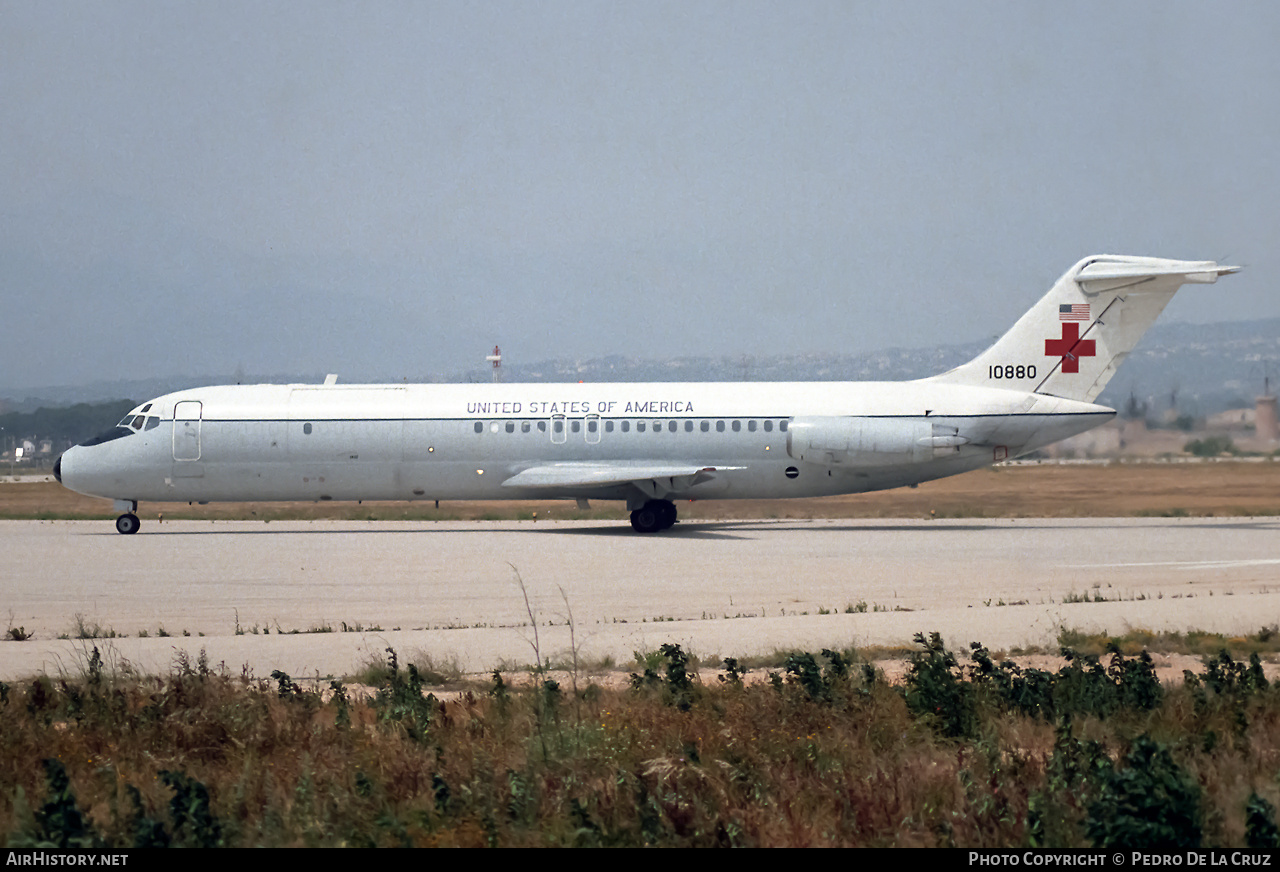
point(1110, 275)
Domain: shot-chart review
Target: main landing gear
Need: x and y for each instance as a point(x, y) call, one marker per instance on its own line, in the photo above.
point(653, 516)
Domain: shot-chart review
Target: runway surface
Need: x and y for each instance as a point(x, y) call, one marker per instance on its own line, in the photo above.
point(730, 588)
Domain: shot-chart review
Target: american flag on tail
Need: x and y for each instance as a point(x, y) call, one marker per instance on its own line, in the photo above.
point(1073, 312)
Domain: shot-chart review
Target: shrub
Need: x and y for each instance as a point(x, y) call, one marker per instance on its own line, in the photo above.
point(59, 823)
point(1211, 446)
point(1260, 824)
point(934, 689)
point(1151, 803)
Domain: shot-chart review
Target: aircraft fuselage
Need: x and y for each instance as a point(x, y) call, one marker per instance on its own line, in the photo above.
point(456, 442)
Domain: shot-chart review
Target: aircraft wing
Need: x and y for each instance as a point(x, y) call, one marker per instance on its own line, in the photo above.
point(666, 476)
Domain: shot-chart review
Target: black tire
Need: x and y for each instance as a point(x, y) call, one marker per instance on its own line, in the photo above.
point(668, 514)
point(646, 519)
point(128, 524)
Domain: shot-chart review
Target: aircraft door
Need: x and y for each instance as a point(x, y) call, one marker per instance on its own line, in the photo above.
point(559, 429)
point(186, 430)
point(591, 428)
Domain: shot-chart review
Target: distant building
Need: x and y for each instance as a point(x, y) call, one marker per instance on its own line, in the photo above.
point(1266, 427)
point(1104, 441)
point(1231, 419)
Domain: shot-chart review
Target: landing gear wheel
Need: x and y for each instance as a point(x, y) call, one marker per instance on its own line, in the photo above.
point(645, 520)
point(653, 516)
point(128, 524)
point(668, 514)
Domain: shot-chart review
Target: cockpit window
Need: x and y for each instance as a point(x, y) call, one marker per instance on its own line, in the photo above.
point(128, 425)
point(135, 422)
point(117, 432)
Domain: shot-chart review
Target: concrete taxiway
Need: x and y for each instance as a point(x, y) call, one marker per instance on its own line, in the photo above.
point(457, 590)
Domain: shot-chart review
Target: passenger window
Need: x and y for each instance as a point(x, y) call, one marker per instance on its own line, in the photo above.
point(706, 426)
point(306, 428)
point(558, 426)
point(671, 426)
point(688, 426)
point(479, 428)
point(737, 426)
point(751, 425)
point(576, 426)
point(719, 426)
point(768, 426)
point(782, 426)
point(542, 426)
point(524, 426)
point(608, 426)
point(626, 426)
point(639, 426)
point(593, 426)
point(511, 426)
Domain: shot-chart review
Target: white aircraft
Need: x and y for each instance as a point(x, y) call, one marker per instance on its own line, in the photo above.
point(647, 444)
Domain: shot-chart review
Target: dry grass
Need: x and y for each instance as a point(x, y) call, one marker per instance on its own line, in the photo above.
point(202, 757)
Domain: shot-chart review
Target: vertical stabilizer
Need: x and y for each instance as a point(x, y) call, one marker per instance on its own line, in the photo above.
point(1071, 342)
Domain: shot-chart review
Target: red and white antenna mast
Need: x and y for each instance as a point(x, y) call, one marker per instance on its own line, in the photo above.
point(496, 360)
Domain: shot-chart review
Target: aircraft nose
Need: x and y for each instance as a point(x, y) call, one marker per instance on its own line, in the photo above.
point(64, 469)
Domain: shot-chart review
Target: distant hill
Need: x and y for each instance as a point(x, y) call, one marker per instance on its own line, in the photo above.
point(62, 425)
point(1208, 367)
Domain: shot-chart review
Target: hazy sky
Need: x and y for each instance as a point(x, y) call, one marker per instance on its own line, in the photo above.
point(387, 189)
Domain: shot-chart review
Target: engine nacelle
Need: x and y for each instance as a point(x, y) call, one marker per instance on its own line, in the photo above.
point(869, 441)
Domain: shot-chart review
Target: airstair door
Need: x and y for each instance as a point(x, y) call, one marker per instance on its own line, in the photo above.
point(186, 430)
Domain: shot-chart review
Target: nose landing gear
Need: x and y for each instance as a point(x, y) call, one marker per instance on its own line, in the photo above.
point(127, 523)
point(653, 516)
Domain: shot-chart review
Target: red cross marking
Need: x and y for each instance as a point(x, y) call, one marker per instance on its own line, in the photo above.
point(1070, 347)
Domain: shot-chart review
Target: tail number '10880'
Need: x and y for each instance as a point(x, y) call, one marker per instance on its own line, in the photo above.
point(1011, 371)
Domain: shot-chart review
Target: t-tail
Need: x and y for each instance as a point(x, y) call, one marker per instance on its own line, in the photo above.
point(1072, 342)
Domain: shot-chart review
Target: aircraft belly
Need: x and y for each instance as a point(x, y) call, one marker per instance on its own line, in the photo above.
point(1056, 429)
point(823, 480)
